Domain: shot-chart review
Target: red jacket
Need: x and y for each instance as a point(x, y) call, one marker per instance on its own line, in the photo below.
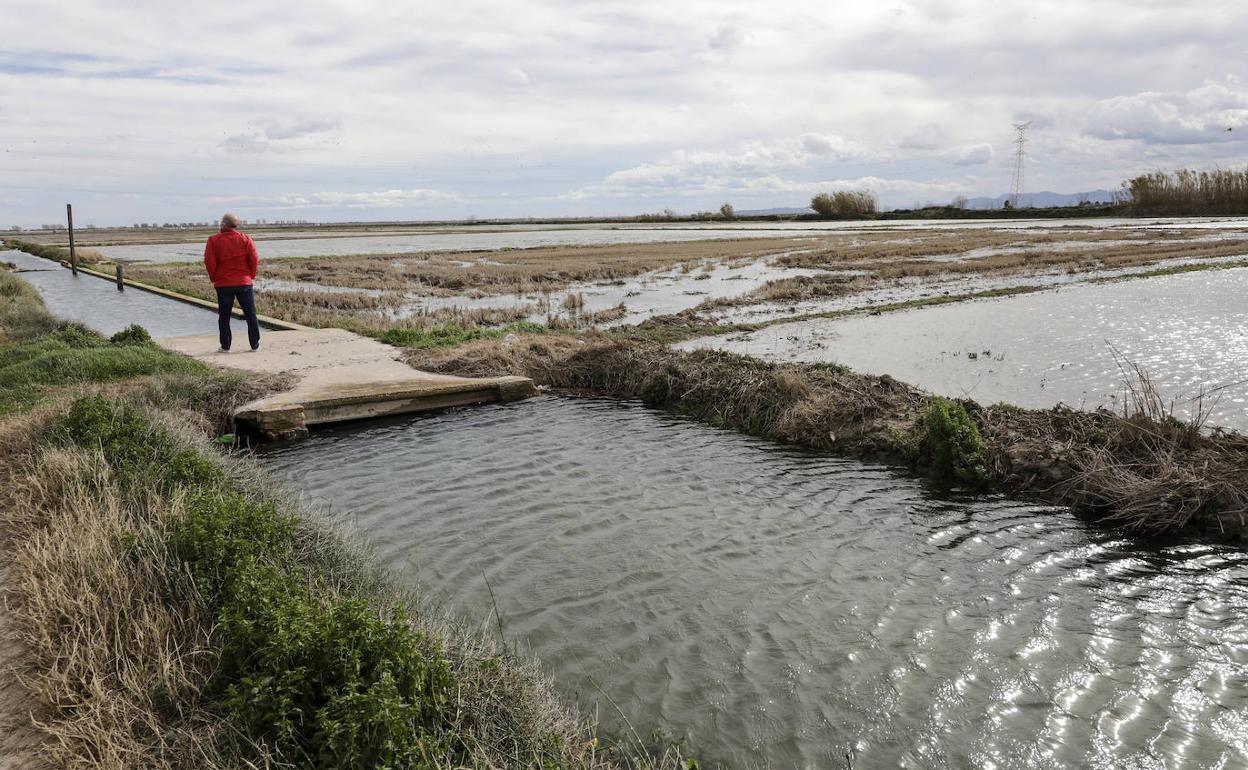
point(231, 259)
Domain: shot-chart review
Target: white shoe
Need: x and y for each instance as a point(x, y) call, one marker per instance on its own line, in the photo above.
point(223, 350)
point(256, 349)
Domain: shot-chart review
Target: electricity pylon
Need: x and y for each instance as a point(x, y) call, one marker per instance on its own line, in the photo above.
point(1020, 151)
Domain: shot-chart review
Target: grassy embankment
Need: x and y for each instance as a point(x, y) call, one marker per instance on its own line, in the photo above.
point(180, 612)
point(55, 253)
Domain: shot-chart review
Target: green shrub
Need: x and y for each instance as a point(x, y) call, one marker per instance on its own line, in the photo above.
point(330, 685)
point(322, 679)
point(222, 531)
point(133, 334)
point(947, 442)
point(77, 336)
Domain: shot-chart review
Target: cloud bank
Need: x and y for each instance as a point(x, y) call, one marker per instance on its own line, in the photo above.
point(572, 108)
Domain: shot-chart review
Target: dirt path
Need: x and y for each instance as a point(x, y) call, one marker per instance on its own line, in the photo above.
point(20, 742)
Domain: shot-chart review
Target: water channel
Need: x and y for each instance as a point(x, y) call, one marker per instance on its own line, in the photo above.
point(769, 606)
point(96, 302)
point(772, 607)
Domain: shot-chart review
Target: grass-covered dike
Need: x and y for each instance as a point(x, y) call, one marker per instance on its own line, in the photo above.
point(177, 610)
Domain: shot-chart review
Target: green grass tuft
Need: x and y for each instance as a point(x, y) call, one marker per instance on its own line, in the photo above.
point(452, 334)
point(76, 355)
point(133, 334)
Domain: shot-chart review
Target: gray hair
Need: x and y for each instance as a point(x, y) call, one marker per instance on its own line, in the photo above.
point(229, 220)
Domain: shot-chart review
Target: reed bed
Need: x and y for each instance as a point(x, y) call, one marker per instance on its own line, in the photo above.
point(845, 203)
point(1188, 192)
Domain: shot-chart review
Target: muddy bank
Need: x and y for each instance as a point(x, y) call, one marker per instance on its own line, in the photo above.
point(1139, 470)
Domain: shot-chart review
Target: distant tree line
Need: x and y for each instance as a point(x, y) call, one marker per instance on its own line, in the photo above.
point(1185, 191)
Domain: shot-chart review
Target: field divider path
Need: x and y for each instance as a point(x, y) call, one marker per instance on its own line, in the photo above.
point(341, 376)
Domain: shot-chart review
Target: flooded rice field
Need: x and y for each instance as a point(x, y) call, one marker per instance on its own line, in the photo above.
point(656, 293)
point(1189, 331)
point(418, 242)
point(325, 242)
point(910, 289)
point(96, 303)
point(772, 607)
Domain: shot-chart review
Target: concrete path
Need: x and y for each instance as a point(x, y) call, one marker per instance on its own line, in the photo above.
point(342, 376)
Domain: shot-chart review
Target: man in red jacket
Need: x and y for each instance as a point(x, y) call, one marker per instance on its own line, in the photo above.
point(231, 260)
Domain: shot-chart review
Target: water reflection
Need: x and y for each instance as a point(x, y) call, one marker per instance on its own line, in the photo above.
point(772, 606)
point(1188, 331)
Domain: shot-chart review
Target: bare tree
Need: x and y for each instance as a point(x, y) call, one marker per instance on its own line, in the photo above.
point(726, 211)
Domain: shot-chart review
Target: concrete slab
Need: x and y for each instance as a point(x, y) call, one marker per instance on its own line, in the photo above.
point(341, 376)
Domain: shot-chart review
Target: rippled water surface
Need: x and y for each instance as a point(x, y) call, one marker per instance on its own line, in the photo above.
point(1188, 331)
point(772, 606)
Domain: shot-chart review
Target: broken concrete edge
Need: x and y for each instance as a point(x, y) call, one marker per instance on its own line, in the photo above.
point(506, 388)
point(292, 421)
point(269, 321)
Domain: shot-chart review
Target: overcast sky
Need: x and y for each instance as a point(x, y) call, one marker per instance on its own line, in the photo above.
point(163, 111)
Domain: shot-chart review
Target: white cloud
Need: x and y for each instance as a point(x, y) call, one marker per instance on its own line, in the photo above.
point(974, 155)
point(510, 111)
point(294, 129)
point(516, 76)
point(1202, 115)
point(376, 199)
point(727, 37)
point(279, 136)
point(758, 169)
point(755, 159)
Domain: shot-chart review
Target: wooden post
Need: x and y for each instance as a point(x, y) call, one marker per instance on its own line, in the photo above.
point(121, 277)
point(73, 255)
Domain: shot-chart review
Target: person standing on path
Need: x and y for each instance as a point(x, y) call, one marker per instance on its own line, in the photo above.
point(231, 260)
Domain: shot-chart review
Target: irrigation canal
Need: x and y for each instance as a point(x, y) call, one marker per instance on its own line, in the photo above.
point(769, 606)
point(98, 304)
point(773, 607)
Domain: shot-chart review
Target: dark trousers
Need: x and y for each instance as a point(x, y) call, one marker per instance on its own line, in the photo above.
point(225, 303)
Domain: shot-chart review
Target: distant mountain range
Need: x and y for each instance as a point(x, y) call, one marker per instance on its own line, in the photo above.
point(1044, 199)
point(780, 212)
